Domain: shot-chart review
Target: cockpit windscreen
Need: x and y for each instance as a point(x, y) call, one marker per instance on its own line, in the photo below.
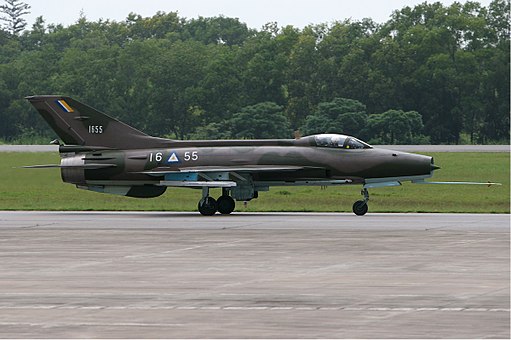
point(340, 141)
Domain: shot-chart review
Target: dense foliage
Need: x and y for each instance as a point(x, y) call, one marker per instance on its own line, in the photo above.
point(431, 73)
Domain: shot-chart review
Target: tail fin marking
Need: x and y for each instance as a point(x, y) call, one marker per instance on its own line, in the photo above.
point(78, 124)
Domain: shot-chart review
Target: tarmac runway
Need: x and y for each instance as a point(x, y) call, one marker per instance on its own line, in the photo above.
point(266, 275)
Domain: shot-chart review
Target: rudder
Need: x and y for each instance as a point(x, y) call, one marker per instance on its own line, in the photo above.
point(78, 124)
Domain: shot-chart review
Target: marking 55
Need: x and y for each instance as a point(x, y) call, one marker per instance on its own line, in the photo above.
point(193, 156)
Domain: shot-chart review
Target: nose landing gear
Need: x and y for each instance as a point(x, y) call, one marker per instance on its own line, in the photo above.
point(360, 208)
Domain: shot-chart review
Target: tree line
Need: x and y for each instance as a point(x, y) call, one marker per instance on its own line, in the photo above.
point(430, 74)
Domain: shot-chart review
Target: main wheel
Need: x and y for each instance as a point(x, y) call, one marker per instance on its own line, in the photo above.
point(225, 204)
point(207, 206)
point(360, 208)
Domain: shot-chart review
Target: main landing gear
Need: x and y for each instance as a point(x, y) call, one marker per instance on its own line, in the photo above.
point(360, 207)
point(225, 204)
point(208, 206)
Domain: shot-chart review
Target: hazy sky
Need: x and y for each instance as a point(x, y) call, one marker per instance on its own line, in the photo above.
point(255, 13)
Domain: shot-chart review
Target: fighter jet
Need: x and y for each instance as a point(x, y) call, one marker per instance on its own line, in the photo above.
point(102, 154)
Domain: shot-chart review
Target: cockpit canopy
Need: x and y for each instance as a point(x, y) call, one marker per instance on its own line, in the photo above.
point(340, 141)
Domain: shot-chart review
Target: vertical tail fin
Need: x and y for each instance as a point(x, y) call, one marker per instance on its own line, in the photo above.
point(78, 124)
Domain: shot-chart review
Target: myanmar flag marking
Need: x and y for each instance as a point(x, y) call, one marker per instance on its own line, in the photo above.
point(65, 106)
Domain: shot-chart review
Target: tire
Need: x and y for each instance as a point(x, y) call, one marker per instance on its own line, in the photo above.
point(207, 206)
point(225, 204)
point(360, 208)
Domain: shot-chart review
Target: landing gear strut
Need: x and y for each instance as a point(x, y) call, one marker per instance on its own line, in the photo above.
point(360, 207)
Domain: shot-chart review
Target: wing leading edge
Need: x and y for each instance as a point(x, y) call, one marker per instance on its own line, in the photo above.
point(206, 169)
point(229, 177)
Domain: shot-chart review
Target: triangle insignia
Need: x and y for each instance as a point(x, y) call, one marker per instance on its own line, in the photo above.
point(173, 158)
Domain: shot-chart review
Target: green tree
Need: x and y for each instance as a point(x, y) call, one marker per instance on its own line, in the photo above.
point(440, 65)
point(134, 86)
point(7, 78)
point(220, 87)
point(302, 86)
point(263, 120)
point(177, 74)
point(495, 84)
point(344, 64)
point(264, 61)
point(160, 26)
point(217, 30)
point(35, 38)
point(179, 77)
point(13, 11)
point(341, 115)
point(396, 127)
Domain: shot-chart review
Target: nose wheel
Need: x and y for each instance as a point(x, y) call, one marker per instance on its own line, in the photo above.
point(360, 208)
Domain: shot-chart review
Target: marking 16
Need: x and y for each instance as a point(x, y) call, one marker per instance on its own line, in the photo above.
point(156, 156)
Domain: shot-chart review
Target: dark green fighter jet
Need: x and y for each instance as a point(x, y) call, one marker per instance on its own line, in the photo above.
point(102, 154)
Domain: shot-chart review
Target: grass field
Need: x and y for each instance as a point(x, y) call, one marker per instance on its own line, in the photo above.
point(42, 189)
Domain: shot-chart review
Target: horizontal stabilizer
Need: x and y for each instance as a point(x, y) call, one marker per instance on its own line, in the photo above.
point(90, 166)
